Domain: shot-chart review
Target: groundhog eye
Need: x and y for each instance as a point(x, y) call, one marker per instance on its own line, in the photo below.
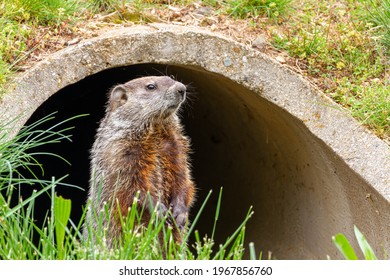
point(151, 86)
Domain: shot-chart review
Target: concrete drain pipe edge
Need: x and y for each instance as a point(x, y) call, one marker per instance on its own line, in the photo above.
point(309, 169)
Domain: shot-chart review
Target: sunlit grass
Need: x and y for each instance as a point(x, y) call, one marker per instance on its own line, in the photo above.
point(254, 8)
point(380, 16)
point(345, 248)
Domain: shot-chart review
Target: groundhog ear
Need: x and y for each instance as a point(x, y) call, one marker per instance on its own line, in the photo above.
point(118, 97)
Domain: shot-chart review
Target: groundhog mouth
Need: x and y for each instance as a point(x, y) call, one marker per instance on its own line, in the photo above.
point(172, 109)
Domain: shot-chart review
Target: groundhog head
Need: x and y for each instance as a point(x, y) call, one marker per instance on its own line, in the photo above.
point(152, 97)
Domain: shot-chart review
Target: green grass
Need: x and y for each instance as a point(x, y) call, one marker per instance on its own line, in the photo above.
point(60, 238)
point(335, 45)
point(17, 221)
point(380, 16)
point(104, 5)
point(371, 105)
point(254, 8)
point(46, 12)
point(155, 241)
point(23, 28)
point(345, 248)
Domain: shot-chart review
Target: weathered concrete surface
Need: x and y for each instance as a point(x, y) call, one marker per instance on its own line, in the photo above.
point(259, 130)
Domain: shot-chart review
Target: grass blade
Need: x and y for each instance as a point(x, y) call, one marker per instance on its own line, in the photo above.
point(62, 209)
point(367, 250)
point(222, 249)
point(252, 251)
point(192, 227)
point(217, 212)
point(344, 246)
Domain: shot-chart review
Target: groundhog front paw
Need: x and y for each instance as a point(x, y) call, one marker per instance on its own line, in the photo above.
point(180, 214)
point(161, 209)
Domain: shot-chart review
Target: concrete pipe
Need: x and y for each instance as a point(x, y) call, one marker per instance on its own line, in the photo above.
point(257, 129)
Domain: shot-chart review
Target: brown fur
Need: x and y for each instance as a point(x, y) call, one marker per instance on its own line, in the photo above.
point(140, 147)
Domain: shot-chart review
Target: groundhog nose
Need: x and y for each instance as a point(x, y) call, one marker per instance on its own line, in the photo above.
point(182, 91)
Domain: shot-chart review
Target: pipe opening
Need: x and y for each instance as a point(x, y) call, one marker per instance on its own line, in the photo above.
point(256, 151)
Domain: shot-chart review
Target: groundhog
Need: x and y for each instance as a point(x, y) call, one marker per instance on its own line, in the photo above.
point(140, 147)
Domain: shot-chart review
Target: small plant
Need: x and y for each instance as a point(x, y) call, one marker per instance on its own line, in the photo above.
point(105, 5)
point(61, 212)
point(346, 249)
point(41, 12)
point(17, 225)
point(269, 8)
point(380, 16)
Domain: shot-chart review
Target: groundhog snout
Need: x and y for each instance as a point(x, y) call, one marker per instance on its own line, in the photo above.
point(182, 93)
point(180, 90)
